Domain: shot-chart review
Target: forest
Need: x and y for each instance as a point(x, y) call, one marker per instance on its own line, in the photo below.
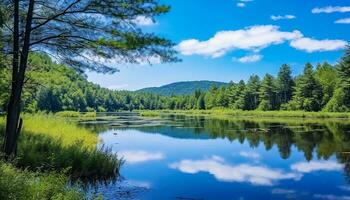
point(54, 87)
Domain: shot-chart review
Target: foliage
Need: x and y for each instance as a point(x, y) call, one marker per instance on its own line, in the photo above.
point(75, 31)
point(267, 93)
point(62, 89)
point(341, 99)
point(308, 91)
point(18, 184)
point(53, 143)
point(285, 84)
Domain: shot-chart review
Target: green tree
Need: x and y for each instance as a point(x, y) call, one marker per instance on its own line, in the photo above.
point(285, 84)
point(76, 31)
point(252, 93)
point(201, 102)
point(340, 101)
point(308, 92)
point(222, 99)
point(327, 76)
point(267, 93)
point(238, 96)
point(48, 100)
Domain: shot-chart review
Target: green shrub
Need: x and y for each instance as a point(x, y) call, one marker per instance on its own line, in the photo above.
point(88, 115)
point(25, 185)
point(68, 114)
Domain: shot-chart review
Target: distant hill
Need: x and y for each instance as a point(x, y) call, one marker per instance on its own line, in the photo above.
point(181, 88)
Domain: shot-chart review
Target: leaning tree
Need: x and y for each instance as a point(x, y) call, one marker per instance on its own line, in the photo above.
point(84, 34)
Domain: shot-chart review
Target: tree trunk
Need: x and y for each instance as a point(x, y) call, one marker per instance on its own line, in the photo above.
point(13, 112)
point(18, 73)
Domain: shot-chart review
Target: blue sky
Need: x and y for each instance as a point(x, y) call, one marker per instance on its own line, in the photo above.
point(226, 40)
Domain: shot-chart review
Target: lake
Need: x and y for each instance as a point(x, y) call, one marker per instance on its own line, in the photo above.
point(190, 158)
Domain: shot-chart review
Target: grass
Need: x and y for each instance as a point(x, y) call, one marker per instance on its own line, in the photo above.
point(58, 128)
point(78, 115)
point(67, 114)
point(151, 113)
point(51, 145)
point(18, 184)
point(254, 113)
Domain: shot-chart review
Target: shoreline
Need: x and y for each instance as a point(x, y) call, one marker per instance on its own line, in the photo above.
point(250, 114)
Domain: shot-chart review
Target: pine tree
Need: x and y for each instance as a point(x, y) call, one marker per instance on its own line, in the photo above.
point(285, 84)
point(327, 76)
point(240, 97)
point(267, 93)
point(340, 101)
point(201, 102)
point(308, 92)
point(252, 93)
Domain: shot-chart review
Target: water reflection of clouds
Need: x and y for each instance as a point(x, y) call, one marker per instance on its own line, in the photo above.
point(138, 156)
point(331, 197)
point(137, 183)
point(307, 167)
point(249, 154)
point(257, 175)
point(282, 191)
point(345, 188)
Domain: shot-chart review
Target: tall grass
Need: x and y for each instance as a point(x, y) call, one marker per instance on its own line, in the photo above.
point(58, 128)
point(53, 143)
point(67, 114)
point(18, 184)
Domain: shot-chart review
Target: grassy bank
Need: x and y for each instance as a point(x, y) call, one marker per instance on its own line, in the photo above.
point(51, 145)
point(75, 114)
point(18, 184)
point(241, 113)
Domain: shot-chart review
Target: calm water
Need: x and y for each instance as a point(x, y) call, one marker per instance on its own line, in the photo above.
point(188, 158)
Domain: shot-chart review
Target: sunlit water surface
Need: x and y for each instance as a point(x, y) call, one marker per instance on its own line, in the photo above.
point(190, 158)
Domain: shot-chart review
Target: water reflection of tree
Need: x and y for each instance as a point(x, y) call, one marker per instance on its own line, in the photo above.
point(322, 139)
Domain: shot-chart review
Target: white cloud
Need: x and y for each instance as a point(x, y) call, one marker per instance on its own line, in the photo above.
point(257, 175)
point(331, 9)
point(343, 21)
point(280, 17)
point(240, 4)
point(252, 38)
point(307, 167)
point(331, 197)
point(249, 154)
point(143, 21)
point(282, 191)
point(249, 59)
point(133, 157)
point(312, 45)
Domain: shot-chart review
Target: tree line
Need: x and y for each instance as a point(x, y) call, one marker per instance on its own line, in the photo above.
point(56, 87)
point(323, 88)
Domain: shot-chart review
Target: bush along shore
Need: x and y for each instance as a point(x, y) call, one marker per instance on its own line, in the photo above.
point(54, 153)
